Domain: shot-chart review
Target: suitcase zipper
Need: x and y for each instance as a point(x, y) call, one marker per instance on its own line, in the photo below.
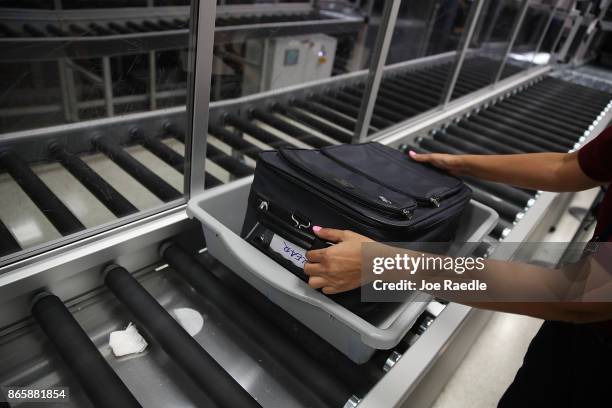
point(405, 213)
point(357, 194)
point(434, 201)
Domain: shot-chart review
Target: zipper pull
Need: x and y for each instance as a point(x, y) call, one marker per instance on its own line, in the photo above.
point(263, 206)
point(435, 201)
point(407, 213)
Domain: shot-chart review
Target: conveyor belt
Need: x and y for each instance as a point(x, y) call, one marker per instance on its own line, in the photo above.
point(269, 347)
point(550, 115)
point(84, 29)
point(121, 31)
point(176, 342)
point(328, 389)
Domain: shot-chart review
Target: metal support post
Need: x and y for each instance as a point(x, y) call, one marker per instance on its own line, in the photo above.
point(377, 63)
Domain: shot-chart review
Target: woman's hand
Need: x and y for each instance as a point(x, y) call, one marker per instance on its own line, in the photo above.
point(336, 268)
point(448, 162)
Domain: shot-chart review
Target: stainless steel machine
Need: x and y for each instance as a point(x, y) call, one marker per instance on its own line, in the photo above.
point(93, 228)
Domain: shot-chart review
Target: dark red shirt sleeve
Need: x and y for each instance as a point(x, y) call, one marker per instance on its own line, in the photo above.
point(595, 158)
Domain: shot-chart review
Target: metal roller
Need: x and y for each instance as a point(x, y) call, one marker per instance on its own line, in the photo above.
point(412, 103)
point(211, 181)
point(589, 102)
point(136, 27)
point(176, 342)
point(152, 26)
point(562, 133)
point(98, 29)
point(119, 28)
point(574, 109)
point(159, 149)
point(289, 129)
point(487, 142)
point(427, 95)
point(381, 111)
point(8, 31)
point(258, 133)
point(501, 228)
point(390, 101)
point(314, 379)
point(501, 136)
point(545, 109)
point(419, 99)
point(78, 30)
point(326, 113)
point(234, 141)
point(491, 124)
point(589, 96)
point(525, 126)
point(56, 31)
point(349, 110)
point(8, 243)
point(515, 195)
point(48, 203)
point(360, 378)
point(437, 147)
point(335, 133)
point(102, 190)
point(407, 107)
point(133, 167)
point(506, 210)
point(231, 164)
point(102, 385)
point(536, 116)
point(33, 31)
point(460, 144)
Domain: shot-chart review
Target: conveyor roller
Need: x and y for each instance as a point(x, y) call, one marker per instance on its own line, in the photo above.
point(328, 389)
point(176, 342)
point(102, 385)
point(55, 210)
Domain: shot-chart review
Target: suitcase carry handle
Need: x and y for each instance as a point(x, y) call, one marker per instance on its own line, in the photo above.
point(292, 225)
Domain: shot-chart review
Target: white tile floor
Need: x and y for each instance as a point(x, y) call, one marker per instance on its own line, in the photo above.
point(492, 362)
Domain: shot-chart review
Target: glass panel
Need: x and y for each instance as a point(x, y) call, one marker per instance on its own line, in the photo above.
point(420, 60)
point(490, 41)
point(92, 115)
point(552, 38)
point(284, 74)
point(522, 54)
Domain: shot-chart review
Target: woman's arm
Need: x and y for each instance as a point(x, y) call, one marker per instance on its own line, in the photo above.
point(538, 171)
point(512, 287)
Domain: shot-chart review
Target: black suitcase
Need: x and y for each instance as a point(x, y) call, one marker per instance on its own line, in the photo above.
point(368, 188)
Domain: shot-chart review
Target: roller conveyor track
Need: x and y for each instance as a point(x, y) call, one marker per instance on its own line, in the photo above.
point(155, 28)
point(80, 29)
point(54, 207)
point(402, 95)
point(310, 370)
point(551, 115)
point(323, 118)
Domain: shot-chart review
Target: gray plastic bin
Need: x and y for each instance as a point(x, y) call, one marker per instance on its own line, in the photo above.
point(222, 211)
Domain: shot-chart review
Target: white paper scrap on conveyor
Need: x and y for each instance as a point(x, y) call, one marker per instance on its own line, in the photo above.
point(128, 341)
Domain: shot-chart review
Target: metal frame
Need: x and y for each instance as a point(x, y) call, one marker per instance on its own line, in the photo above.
point(551, 16)
point(517, 26)
point(201, 59)
point(377, 64)
point(466, 39)
point(562, 29)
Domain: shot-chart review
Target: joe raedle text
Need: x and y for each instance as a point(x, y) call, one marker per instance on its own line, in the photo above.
point(423, 285)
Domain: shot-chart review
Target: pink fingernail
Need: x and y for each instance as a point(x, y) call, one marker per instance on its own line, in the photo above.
point(316, 228)
point(412, 153)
